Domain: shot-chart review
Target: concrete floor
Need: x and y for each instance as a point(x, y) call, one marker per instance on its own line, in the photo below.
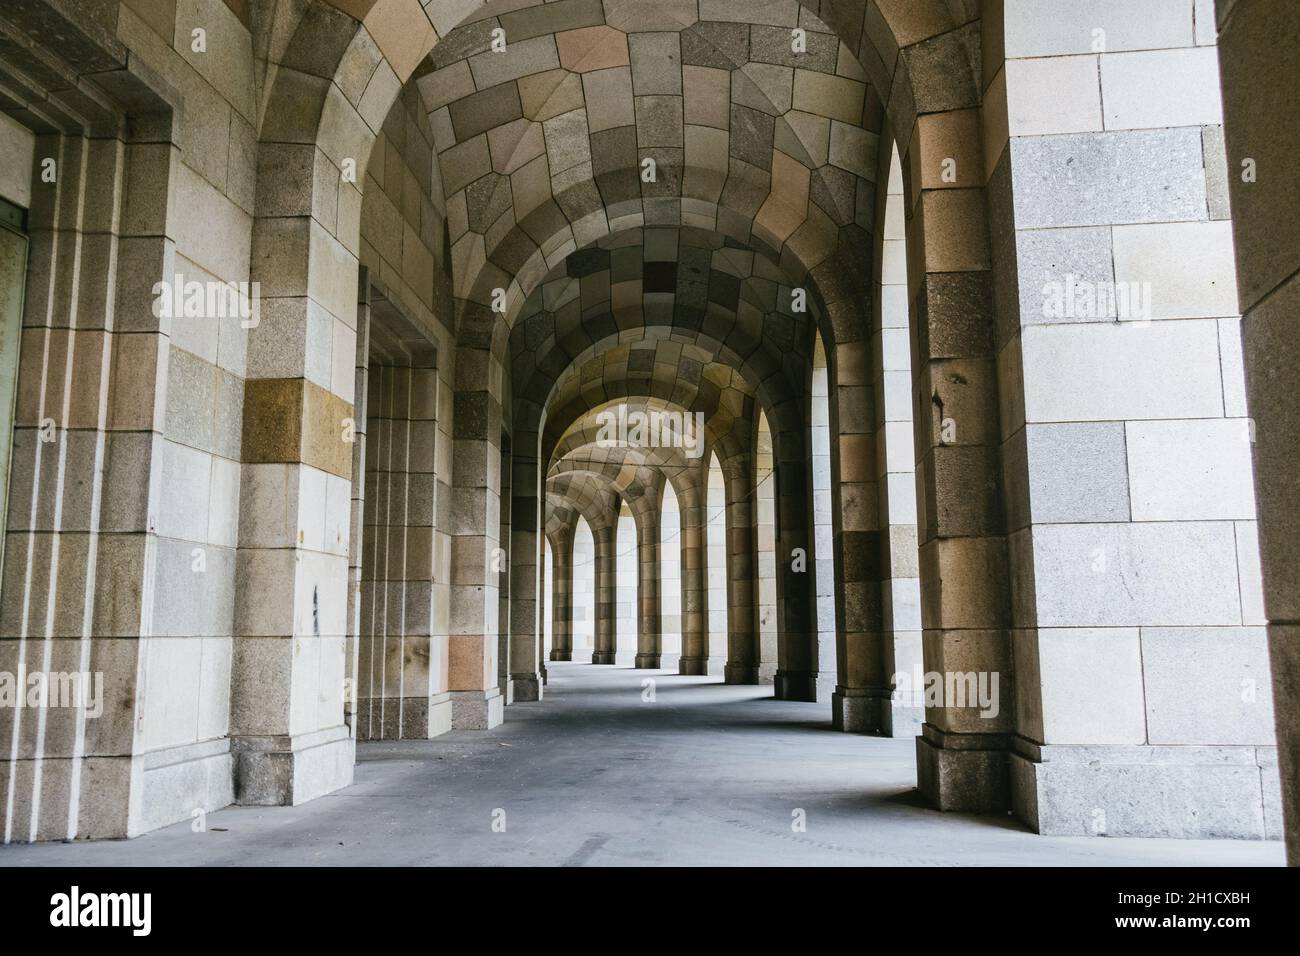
point(706, 774)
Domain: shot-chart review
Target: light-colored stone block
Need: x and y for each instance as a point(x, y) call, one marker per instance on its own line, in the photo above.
point(1250, 572)
point(186, 475)
point(1053, 95)
point(1093, 179)
point(1160, 88)
point(1119, 575)
point(223, 512)
point(1080, 685)
point(1053, 266)
point(1058, 27)
point(1189, 266)
point(1118, 371)
point(1077, 472)
point(1208, 685)
point(1190, 470)
point(1173, 792)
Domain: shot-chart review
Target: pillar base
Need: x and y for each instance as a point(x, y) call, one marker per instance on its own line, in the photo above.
point(693, 666)
point(561, 655)
point(604, 657)
point(110, 807)
point(796, 685)
point(1183, 792)
point(857, 710)
point(740, 674)
point(289, 770)
point(646, 662)
point(963, 772)
point(477, 709)
point(525, 687)
point(402, 718)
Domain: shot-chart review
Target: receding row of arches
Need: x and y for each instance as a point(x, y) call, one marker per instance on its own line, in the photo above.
point(636, 641)
point(400, 475)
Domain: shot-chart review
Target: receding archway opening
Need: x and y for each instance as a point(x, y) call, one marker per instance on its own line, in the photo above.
point(670, 579)
point(901, 583)
point(584, 591)
point(547, 596)
point(715, 564)
point(823, 508)
point(765, 482)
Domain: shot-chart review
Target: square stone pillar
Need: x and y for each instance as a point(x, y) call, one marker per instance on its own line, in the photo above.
point(862, 687)
point(1261, 78)
point(695, 633)
point(742, 570)
point(288, 734)
point(401, 687)
point(962, 564)
point(798, 676)
point(562, 595)
point(526, 606)
point(85, 481)
point(647, 593)
point(477, 702)
point(604, 534)
point(1143, 705)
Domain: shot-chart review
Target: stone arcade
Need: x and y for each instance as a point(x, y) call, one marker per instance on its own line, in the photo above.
point(372, 514)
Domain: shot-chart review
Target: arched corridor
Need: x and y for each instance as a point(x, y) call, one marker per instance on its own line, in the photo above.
point(833, 404)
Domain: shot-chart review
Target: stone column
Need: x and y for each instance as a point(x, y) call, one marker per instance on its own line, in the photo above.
point(961, 756)
point(477, 702)
point(862, 688)
point(1138, 607)
point(742, 571)
point(798, 676)
point(877, 558)
point(83, 556)
point(604, 533)
point(356, 536)
point(382, 544)
point(648, 618)
point(526, 605)
point(501, 564)
point(1261, 82)
point(562, 595)
point(402, 674)
point(288, 735)
point(695, 634)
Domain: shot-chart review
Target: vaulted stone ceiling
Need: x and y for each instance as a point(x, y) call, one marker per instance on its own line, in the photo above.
point(648, 184)
point(541, 147)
